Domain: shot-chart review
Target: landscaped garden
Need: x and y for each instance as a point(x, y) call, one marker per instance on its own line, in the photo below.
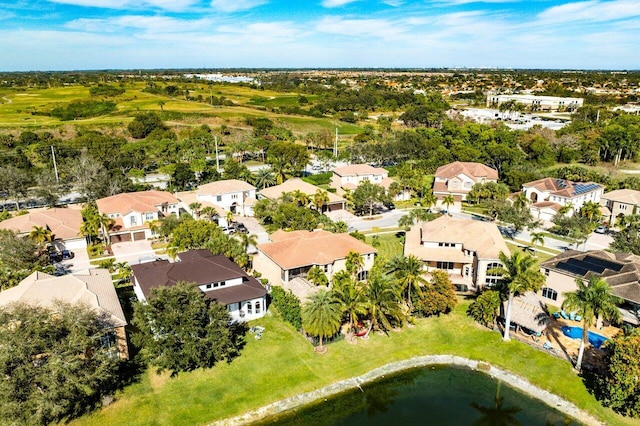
point(283, 364)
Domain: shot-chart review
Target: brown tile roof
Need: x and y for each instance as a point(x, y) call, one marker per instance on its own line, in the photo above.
point(224, 187)
point(64, 223)
point(200, 267)
point(303, 248)
point(562, 187)
point(142, 202)
point(620, 270)
point(93, 288)
point(292, 185)
point(473, 170)
point(359, 170)
point(627, 196)
point(545, 204)
point(484, 238)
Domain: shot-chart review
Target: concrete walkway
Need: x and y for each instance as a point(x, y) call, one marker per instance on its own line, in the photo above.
point(513, 380)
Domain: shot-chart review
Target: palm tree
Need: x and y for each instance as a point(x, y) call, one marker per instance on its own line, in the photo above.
point(519, 275)
point(40, 235)
point(301, 198)
point(247, 240)
point(320, 199)
point(264, 178)
point(448, 201)
point(592, 302)
point(229, 218)
point(209, 211)
point(521, 201)
point(340, 227)
point(537, 238)
point(591, 210)
point(280, 167)
point(429, 199)
point(351, 297)
point(321, 315)
point(124, 270)
point(105, 223)
point(354, 263)
point(195, 208)
point(317, 276)
point(382, 302)
point(409, 273)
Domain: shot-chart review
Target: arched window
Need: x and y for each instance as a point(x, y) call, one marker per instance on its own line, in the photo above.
point(257, 307)
point(249, 308)
point(492, 276)
point(549, 293)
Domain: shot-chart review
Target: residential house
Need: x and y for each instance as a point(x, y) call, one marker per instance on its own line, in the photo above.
point(548, 195)
point(467, 249)
point(157, 180)
point(64, 224)
point(621, 202)
point(231, 195)
point(273, 193)
point(93, 288)
point(133, 211)
point(620, 270)
point(349, 177)
point(290, 255)
point(219, 278)
point(458, 178)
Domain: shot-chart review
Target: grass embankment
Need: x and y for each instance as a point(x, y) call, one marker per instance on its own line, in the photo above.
point(283, 364)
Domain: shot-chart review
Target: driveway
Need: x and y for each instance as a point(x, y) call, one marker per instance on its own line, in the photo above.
point(80, 262)
point(254, 228)
point(134, 252)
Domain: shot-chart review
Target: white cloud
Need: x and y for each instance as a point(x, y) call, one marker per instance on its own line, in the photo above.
point(336, 3)
point(591, 11)
point(236, 5)
point(379, 28)
point(173, 5)
point(150, 24)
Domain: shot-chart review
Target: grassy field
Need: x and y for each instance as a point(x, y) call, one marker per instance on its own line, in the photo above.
point(391, 244)
point(283, 364)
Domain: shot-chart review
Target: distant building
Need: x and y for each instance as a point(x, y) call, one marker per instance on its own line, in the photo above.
point(548, 195)
point(157, 180)
point(621, 202)
point(458, 178)
point(536, 103)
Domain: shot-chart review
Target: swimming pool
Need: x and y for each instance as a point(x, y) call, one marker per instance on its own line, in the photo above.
point(595, 339)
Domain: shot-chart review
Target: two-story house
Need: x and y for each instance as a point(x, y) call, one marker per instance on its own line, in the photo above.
point(296, 184)
point(219, 278)
point(458, 178)
point(548, 195)
point(133, 211)
point(93, 288)
point(621, 202)
point(290, 255)
point(349, 177)
point(620, 270)
point(466, 249)
point(231, 195)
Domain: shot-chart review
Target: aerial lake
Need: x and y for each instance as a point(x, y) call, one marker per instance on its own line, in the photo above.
point(433, 395)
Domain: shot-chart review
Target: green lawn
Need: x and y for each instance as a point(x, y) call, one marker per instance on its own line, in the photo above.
point(540, 255)
point(390, 244)
point(284, 364)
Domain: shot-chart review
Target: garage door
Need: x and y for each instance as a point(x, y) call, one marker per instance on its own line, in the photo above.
point(120, 238)
point(137, 236)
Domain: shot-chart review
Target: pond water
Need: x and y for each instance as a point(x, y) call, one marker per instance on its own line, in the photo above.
point(433, 395)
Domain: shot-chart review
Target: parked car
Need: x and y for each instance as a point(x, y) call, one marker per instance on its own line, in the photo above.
point(55, 257)
point(66, 254)
point(389, 205)
point(241, 228)
point(228, 231)
point(601, 229)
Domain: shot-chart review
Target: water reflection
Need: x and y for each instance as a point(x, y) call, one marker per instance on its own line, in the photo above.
point(496, 414)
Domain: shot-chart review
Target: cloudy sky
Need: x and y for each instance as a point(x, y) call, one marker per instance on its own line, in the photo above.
point(131, 34)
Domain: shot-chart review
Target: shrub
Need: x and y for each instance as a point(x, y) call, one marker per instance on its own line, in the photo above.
point(288, 305)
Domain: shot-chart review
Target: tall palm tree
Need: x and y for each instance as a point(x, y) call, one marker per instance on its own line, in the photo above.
point(382, 301)
point(247, 240)
point(281, 169)
point(320, 199)
point(301, 198)
point(195, 208)
point(229, 218)
point(521, 201)
point(448, 201)
point(209, 212)
point(409, 273)
point(537, 238)
point(105, 223)
point(591, 210)
point(519, 275)
point(593, 302)
point(317, 276)
point(354, 263)
point(351, 297)
point(40, 235)
point(429, 199)
point(321, 315)
point(264, 178)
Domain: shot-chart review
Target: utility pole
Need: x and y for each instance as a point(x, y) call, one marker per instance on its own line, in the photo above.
point(215, 138)
point(335, 145)
point(55, 166)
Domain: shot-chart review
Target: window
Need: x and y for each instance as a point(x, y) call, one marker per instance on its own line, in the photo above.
point(218, 197)
point(148, 216)
point(446, 244)
point(444, 265)
point(249, 308)
point(208, 286)
point(257, 307)
point(549, 293)
point(133, 220)
point(362, 275)
point(546, 272)
point(234, 196)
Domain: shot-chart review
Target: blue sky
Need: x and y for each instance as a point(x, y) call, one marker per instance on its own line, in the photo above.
point(131, 34)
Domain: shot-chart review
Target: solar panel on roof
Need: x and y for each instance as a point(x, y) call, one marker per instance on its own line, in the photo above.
point(573, 269)
point(586, 265)
point(614, 266)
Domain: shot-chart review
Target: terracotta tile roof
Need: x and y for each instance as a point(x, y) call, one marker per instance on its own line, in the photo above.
point(188, 197)
point(620, 270)
point(64, 223)
point(359, 170)
point(562, 187)
point(472, 170)
point(142, 202)
point(627, 196)
point(484, 238)
point(93, 288)
point(545, 204)
point(303, 248)
point(298, 184)
point(224, 187)
point(200, 267)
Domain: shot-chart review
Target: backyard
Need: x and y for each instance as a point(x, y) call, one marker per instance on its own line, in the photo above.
point(283, 364)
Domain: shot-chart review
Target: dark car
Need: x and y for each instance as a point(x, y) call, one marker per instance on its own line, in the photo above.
point(241, 228)
point(66, 254)
point(389, 205)
point(55, 257)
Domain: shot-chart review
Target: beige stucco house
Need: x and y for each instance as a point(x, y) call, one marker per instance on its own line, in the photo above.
point(458, 178)
point(548, 195)
point(466, 249)
point(621, 202)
